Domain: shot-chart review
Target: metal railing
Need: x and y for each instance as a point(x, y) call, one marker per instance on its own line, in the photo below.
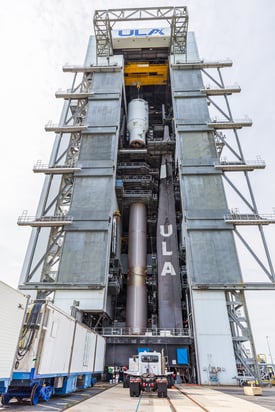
point(249, 218)
point(224, 161)
point(125, 331)
point(44, 220)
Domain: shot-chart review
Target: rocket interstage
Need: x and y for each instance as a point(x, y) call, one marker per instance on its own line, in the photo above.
point(136, 309)
point(138, 122)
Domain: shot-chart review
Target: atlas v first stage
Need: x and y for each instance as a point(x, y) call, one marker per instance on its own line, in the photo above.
point(130, 234)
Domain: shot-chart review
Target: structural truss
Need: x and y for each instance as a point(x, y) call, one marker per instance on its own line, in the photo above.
point(105, 20)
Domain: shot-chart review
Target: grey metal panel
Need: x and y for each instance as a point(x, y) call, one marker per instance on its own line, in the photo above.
point(86, 249)
point(187, 80)
point(90, 57)
point(92, 193)
point(210, 247)
point(105, 96)
point(104, 83)
point(99, 129)
point(204, 192)
point(97, 150)
point(95, 172)
point(191, 111)
point(86, 225)
point(83, 259)
point(192, 48)
point(189, 94)
point(64, 299)
point(90, 214)
point(192, 127)
point(214, 257)
point(199, 170)
point(102, 112)
point(203, 213)
point(213, 336)
point(198, 161)
point(204, 224)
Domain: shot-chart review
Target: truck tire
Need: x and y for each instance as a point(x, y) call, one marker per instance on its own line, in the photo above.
point(134, 389)
point(162, 394)
point(137, 391)
point(162, 390)
point(170, 381)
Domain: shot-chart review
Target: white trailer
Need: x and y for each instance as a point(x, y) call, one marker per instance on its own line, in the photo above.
point(56, 354)
point(13, 305)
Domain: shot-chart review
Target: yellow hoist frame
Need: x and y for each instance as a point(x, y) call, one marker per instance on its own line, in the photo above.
point(145, 74)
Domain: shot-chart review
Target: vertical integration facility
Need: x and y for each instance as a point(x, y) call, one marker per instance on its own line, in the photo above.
point(133, 233)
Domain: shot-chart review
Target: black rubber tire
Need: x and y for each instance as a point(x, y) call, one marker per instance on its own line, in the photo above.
point(34, 395)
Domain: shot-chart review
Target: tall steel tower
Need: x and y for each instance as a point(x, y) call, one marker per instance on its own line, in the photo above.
point(133, 234)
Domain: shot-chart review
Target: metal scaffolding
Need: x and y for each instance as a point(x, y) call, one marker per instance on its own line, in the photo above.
point(105, 21)
point(80, 235)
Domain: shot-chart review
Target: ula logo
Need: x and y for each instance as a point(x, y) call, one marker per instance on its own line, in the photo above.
point(140, 32)
point(168, 268)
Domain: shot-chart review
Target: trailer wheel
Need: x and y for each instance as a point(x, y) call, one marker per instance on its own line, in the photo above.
point(5, 398)
point(34, 395)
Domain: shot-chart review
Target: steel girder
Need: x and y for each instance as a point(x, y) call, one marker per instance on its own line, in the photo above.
point(105, 20)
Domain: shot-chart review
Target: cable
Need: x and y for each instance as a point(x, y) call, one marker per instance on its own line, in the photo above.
point(28, 331)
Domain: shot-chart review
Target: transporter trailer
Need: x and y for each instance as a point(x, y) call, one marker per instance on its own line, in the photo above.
point(44, 351)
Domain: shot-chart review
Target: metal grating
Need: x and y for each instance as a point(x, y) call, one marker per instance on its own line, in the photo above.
point(105, 20)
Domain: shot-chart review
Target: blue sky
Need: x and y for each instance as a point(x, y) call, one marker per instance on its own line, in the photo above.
point(39, 37)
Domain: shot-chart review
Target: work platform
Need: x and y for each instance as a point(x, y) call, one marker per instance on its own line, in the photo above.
point(182, 398)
